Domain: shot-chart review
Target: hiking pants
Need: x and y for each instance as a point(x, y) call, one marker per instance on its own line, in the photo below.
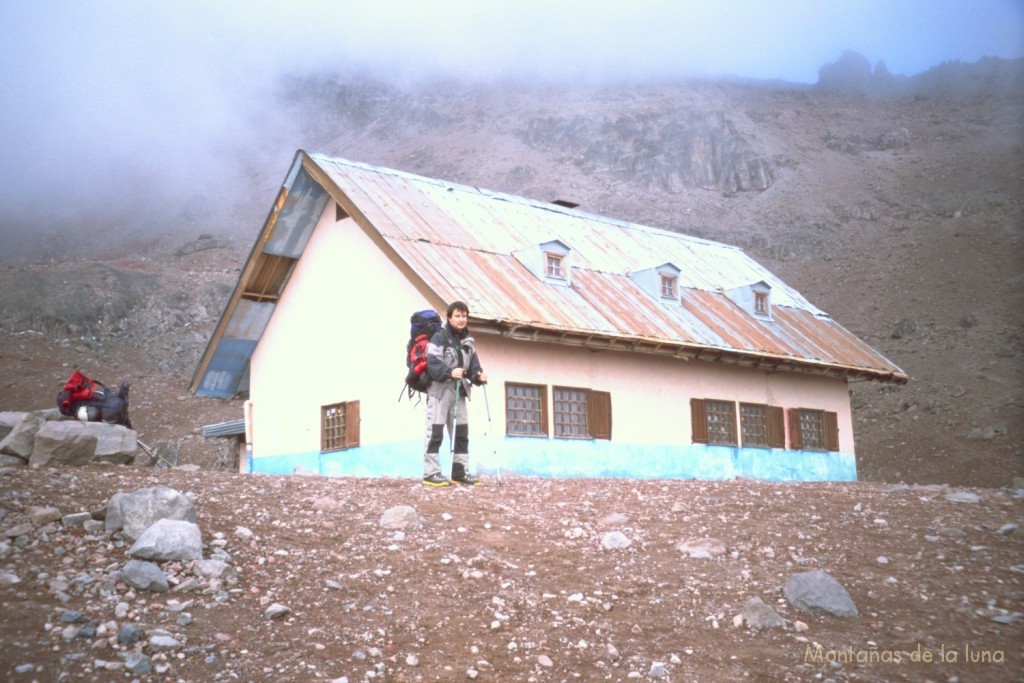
point(440, 413)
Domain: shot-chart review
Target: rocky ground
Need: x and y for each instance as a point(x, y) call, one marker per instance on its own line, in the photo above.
point(518, 580)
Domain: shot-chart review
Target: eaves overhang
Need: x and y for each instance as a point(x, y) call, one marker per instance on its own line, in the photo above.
point(602, 341)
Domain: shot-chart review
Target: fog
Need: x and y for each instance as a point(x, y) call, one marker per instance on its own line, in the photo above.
point(107, 105)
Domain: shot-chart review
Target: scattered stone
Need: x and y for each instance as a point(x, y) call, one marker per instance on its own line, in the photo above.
point(145, 576)
point(962, 497)
point(701, 548)
point(658, 670)
point(169, 540)
point(162, 642)
point(1007, 529)
point(614, 540)
point(545, 661)
point(40, 515)
point(277, 611)
point(817, 592)
point(137, 663)
point(759, 615)
point(134, 513)
point(400, 517)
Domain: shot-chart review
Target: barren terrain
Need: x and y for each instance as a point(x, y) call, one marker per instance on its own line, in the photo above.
point(900, 217)
point(512, 581)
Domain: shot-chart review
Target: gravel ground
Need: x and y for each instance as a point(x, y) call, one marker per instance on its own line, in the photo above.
point(518, 580)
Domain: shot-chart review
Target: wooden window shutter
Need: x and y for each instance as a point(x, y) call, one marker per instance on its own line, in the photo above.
point(599, 414)
point(796, 441)
point(831, 431)
point(699, 420)
point(776, 426)
point(544, 410)
point(352, 424)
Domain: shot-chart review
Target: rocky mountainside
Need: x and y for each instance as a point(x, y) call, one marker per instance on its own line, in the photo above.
point(898, 212)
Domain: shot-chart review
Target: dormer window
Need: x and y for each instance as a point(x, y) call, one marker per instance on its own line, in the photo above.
point(754, 298)
point(554, 265)
point(550, 262)
point(661, 282)
point(669, 286)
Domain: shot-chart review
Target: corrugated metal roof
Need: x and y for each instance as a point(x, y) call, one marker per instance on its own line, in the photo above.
point(224, 429)
point(463, 242)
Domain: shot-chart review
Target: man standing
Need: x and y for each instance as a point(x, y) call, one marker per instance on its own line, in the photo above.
point(453, 367)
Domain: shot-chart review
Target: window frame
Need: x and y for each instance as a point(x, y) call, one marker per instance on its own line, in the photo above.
point(774, 426)
point(762, 304)
point(346, 437)
point(700, 425)
point(829, 422)
point(555, 412)
point(554, 265)
point(669, 285)
point(542, 412)
point(598, 418)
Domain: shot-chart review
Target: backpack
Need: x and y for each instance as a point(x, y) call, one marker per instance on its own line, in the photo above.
point(99, 402)
point(422, 326)
point(77, 389)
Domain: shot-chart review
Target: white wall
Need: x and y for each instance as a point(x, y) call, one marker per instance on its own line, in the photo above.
point(339, 334)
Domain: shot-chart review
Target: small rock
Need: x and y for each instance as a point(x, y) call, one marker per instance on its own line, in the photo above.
point(615, 540)
point(399, 517)
point(657, 670)
point(962, 497)
point(276, 611)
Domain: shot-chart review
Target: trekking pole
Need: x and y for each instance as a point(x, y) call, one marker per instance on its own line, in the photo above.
point(490, 435)
point(455, 419)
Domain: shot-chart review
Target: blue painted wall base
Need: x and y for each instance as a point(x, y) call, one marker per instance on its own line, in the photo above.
point(570, 458)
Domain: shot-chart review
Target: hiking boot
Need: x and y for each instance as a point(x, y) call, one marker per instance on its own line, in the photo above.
point(466, 479)
point(436, 479)
point(461, 476)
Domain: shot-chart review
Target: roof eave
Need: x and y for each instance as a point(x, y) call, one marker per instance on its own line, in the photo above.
point(603, 341)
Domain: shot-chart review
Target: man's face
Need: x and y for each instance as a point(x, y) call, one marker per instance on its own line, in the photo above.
point(459, 320)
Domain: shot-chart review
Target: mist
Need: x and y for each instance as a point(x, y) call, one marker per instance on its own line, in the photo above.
point(112, 107)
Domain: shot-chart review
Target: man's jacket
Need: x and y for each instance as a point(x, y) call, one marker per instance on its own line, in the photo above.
point(444, 351)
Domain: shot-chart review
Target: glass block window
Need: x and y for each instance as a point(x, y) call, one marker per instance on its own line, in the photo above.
point(525, 411)
point(721, 422)
point(812, 429)
point(571, 412)
point(339, 426)
point(754, 424)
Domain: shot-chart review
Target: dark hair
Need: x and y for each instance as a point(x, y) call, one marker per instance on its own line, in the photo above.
point(457, 306)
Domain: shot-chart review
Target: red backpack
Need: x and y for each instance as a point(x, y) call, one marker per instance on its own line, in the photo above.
point(78, 388)
point(423, 325)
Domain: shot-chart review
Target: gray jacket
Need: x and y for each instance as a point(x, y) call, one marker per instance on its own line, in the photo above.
point(443, 351)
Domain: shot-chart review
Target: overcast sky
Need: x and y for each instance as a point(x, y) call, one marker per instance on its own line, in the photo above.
point(94, 92)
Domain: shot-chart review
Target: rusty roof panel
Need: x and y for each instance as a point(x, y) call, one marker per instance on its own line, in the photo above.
point(462, 239)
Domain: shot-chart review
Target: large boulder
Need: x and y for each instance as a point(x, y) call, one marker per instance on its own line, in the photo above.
point(134, 512)
point(169, 540)
point(67, 442)
point(115, 444)
point(8, 421)
point(20, 437)
point(818, 593)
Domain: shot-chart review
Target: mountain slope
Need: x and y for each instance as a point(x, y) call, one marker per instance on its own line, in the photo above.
point(900, 216)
